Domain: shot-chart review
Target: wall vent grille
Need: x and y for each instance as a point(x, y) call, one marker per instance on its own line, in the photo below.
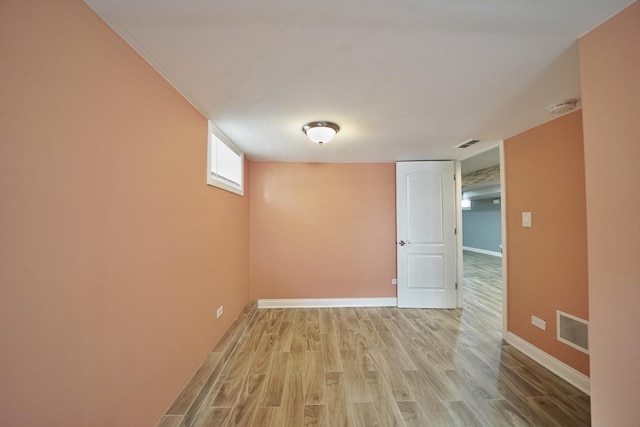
point(573, 331)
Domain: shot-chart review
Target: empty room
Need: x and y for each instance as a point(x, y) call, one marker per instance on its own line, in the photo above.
point(285, 213)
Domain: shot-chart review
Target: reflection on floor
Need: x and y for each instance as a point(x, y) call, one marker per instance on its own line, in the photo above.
point(483, 287)
point(378, 366)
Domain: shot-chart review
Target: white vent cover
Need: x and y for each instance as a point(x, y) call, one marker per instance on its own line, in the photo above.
point(573, 331)
point(468, 143)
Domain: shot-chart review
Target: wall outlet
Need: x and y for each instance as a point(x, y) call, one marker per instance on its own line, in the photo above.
point(219, 311)
point(537, 322)
point(526, 219)
point(394, 281)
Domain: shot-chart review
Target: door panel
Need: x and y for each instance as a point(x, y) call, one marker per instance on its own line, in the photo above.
point(425, 218)
point(425, 271)
point(426, 234)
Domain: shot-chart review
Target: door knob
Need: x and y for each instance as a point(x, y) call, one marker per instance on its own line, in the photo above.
point(402, 243)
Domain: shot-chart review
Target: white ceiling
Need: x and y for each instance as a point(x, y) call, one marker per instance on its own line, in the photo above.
point(405, 80)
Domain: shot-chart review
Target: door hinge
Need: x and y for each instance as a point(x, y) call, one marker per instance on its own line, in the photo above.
point(455, 231)
point(456, 285)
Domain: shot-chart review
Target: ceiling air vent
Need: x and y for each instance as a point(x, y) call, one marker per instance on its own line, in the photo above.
point(573, 331)
point(468, 143)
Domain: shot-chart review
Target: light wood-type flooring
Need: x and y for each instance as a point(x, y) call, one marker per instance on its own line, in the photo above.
point(378, 367)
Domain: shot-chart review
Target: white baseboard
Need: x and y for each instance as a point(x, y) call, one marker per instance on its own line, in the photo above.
point(328, 302)
point(482, 251)
point(561, 369)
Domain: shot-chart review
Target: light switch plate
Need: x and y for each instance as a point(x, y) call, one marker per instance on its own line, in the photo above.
point(526, 219)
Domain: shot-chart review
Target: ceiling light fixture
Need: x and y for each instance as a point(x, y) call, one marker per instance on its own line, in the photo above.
point(320, 131)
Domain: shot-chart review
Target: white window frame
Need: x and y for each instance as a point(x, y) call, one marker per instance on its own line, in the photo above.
point(218, 181)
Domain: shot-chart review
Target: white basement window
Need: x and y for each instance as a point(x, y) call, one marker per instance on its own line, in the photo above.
point(225, 163)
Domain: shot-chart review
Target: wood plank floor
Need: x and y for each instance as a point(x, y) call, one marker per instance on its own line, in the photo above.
point(378, 367)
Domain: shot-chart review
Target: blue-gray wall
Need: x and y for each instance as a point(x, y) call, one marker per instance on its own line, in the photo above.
point(481, 226)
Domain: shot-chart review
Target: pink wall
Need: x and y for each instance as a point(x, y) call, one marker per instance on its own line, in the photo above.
point(322, 230)
point(114, 252)
point(610, 72)
point(547, 263)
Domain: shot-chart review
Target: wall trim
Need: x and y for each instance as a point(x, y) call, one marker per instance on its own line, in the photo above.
point(328, 302)
point(561, 369)
point(459, 253)
point(504, 248)
point(482, 251)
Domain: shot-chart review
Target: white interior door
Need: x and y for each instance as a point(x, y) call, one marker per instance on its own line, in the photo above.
point(426, 221)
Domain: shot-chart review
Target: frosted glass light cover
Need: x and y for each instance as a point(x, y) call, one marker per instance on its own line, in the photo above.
point(321, 134)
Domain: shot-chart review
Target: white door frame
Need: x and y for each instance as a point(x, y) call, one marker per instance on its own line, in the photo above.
point(458, 167)
point(503, 220)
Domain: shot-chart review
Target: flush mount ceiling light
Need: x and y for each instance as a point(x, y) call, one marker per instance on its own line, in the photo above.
point(321, 131)
point(563, 107)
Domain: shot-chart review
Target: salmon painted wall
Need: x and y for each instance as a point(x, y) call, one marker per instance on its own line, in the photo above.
point(114, 252)
point(547, 263)
point(322, 230)
point(610, 73)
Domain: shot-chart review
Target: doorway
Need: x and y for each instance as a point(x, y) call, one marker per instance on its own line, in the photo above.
point(482, 210)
